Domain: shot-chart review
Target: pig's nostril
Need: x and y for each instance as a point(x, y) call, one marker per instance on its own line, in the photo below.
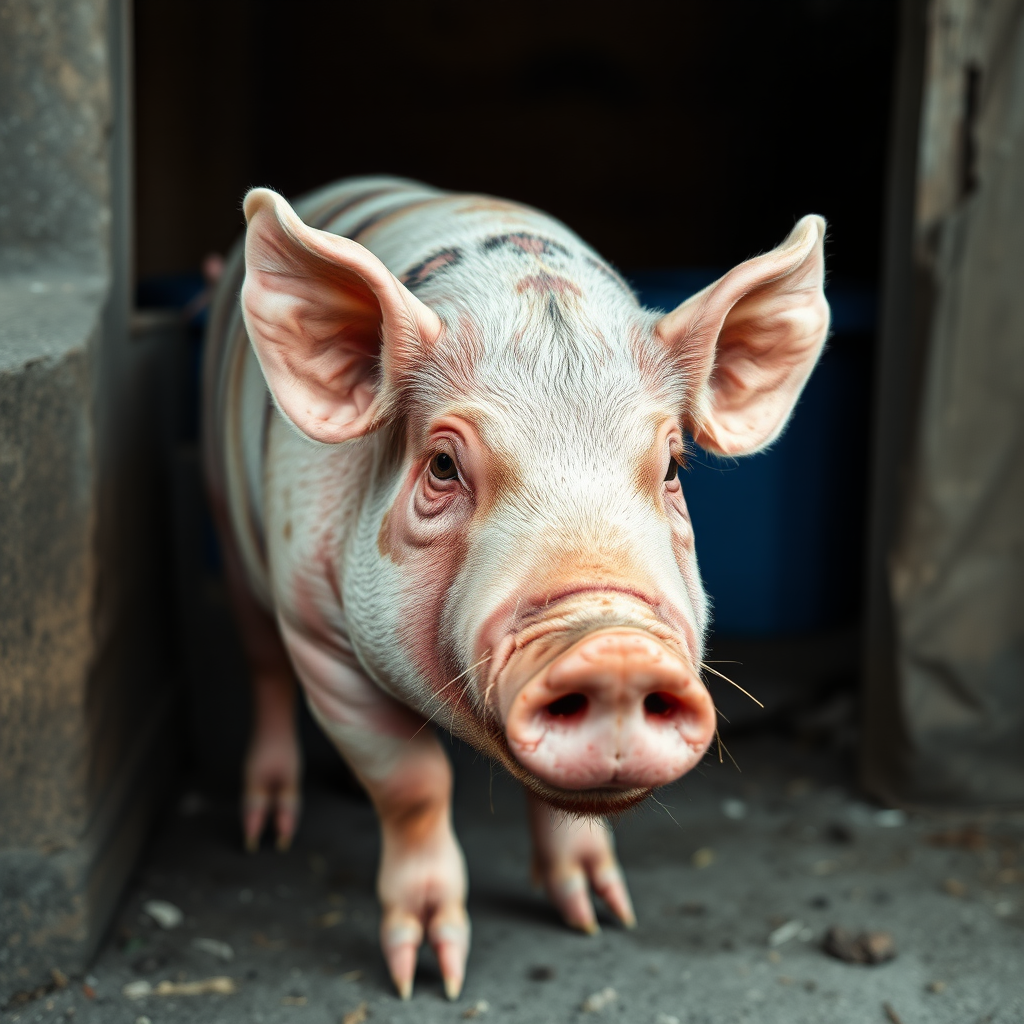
point(567, 706)
point(660, 705)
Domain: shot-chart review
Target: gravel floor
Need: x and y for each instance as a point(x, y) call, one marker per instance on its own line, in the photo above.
point(737, 879)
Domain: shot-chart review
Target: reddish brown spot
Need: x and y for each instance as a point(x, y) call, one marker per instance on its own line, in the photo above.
point(287, 531)
point(548, 284)
point(422, 272)
point(385, 543)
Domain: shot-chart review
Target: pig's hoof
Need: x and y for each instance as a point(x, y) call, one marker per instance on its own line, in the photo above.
point(573, 856)
point(448, 934)
point(271, 793)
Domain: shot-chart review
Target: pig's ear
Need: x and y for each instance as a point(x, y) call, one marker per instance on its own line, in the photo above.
point(329, 322)
point(748, 343)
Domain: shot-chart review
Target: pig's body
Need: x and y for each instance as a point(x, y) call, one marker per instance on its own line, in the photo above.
point(497, 544)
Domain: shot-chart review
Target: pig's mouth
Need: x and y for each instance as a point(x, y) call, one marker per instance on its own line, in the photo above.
point(596, 801)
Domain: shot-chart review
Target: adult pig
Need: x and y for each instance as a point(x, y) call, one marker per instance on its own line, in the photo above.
point(445, 474)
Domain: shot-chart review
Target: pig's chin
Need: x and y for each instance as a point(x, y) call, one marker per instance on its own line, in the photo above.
point(601, 800)
point(585, 801)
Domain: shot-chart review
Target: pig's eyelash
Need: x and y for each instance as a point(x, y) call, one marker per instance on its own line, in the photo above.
point(682, 453)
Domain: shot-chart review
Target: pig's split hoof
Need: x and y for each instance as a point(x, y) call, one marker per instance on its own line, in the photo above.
point(450, 941)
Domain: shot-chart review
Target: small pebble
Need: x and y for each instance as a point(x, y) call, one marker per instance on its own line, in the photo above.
point(167, 915)
point(143, 1020)
point(892, 1014)
point(356, 1016)
point(954, 887)
point(837, 832)
point(936, 986)
point(137, 989)
point(478, 1009)
point(893, 818)
point(60, 979)
point(866, 948)
point(216, 948)
point(666, 1018)
point(596, 1002)
point(734, 809)
point(541, 973)
point(785, 933)
point(352, 975)
point(703, 858)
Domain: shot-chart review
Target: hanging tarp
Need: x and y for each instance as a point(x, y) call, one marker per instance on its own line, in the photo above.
point(945, 668)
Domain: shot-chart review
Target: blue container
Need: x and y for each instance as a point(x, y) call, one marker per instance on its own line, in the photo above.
point(780, 535)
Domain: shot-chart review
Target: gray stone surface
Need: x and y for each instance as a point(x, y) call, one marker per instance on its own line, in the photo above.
point(55, 123)
point(85, 677)
point(47, 572)
point(47, 315)
point(795, 844)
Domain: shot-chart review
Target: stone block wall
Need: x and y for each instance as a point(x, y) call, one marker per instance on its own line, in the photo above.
point(87, 670)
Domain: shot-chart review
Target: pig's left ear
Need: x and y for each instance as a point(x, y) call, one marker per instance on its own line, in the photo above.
point(330, 323)
point(748, 343)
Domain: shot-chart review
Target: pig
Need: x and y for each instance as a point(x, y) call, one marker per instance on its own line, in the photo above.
point(442, 442)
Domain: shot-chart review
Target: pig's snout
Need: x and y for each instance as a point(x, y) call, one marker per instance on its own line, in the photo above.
point(617, 709)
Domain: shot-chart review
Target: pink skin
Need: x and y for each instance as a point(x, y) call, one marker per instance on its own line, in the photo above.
point(422, 882)
point(582, 675)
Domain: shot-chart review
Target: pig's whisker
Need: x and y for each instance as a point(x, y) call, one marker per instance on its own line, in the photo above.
point(721, 747)
point(715, 672)
point(666, 810)
point(437, 696)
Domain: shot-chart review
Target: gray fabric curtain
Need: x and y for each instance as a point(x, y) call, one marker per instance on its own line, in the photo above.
point(944, 693)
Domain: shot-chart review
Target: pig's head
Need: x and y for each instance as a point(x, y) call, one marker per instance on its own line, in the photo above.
point(524, 565)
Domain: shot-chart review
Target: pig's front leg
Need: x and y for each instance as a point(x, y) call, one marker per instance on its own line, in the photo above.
point(571, 856)
point(421, 882)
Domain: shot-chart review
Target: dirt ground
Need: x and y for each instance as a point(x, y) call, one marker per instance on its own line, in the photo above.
point(737, 877)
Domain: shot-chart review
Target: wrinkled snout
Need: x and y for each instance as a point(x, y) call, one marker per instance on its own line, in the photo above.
point(617, 709)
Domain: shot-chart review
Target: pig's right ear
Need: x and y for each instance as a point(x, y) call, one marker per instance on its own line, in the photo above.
point(747, 343)
point(331, 325)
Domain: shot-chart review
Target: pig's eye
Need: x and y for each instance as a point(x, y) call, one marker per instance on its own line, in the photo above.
point(673, 469)
point(442, 466)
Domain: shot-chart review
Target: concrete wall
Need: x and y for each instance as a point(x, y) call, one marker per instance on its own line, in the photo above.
point(86, 666)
